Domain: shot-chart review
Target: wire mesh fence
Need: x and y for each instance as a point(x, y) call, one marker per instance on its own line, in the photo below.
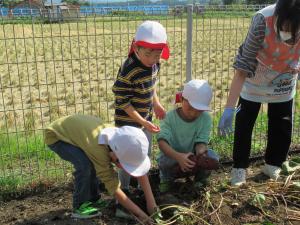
point(55, 63)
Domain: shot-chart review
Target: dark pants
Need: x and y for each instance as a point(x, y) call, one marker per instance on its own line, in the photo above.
point(279, 132)
point(86, 184)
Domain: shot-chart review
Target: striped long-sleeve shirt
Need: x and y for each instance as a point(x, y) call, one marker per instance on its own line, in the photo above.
point(246, 57)
point(134, 86)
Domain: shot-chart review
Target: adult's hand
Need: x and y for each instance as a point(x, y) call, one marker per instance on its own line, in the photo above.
point(225, 123)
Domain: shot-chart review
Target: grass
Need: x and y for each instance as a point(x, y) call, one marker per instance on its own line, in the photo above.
point(9, 183)
point(50, 70)
point(26, 164)
point(43, 65)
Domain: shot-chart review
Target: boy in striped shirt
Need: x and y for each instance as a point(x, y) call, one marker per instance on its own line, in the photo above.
point(134, 89)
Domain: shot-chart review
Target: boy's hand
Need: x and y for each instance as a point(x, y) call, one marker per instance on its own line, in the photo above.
point(144, 219)
point(185, 163)
point(157, 216)
point(151, 127)
point(159, 111)
point(200, 149)
point(152, 208)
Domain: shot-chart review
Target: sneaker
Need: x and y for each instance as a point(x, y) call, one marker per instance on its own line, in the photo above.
point(100, 204)
point(238, 176)
point(164, 186)
point(85, 211)
point(271, 171)
point(123, 213)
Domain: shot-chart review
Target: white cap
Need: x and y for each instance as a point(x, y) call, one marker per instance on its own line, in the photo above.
point(130, 145)
point(198, 93)
point(151, 34)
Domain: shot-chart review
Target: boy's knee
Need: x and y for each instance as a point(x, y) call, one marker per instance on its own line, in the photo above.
point(165, 162)
point(212, 154)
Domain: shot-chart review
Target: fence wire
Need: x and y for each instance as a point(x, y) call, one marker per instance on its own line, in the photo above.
point(59, 62)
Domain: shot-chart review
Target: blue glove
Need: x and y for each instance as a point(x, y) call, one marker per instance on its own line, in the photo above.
point(225, 123)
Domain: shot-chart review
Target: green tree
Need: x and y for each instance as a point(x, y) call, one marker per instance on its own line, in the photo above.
point(230, 2)
point(260, 2)
point(8, 3)
point(72, 2)
point(215, 2)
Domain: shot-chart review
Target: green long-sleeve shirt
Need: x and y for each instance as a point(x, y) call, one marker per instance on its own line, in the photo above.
point(83, 131)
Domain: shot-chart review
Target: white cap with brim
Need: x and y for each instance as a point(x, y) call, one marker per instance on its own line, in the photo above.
point(151, 34)
point(198, 93)
point(130, 145)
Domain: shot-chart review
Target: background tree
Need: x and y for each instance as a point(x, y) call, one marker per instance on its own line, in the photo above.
point(230, 2)
point(71, 2)
point(260, 2)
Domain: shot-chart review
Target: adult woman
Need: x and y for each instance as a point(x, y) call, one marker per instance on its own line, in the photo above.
point(266, 70)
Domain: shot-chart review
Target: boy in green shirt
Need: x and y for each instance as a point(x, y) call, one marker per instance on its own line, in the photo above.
point(184, 132)
point(81, 140)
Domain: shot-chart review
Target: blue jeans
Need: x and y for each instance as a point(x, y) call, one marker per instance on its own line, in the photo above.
point(166, 166)
point(86, 184)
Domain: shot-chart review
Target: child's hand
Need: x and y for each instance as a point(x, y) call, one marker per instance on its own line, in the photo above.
point(159, 111)
point(201, 149)
point(144, 219)
point(157, 216)
point(152, 208)
point(151, 127)
point(185, 163)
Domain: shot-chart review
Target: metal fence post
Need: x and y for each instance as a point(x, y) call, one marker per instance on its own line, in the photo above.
point(189, 41)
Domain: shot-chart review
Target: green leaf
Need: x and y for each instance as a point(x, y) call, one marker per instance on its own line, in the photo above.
point(267, 223)
point(180, 218)
point(207, 195)
point(291, 166)
point(157, 216)
point(296, 184)
point(258, 199)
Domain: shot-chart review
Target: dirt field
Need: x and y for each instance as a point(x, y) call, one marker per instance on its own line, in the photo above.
point(216, 204)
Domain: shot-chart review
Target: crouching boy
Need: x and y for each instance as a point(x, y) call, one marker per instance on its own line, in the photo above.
point(185, 132)
point(81, 140)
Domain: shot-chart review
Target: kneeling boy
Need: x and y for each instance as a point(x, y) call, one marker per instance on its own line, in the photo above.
point(184, 132)
point(81, 140)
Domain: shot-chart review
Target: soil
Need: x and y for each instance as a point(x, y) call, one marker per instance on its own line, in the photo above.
point(217, 203)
